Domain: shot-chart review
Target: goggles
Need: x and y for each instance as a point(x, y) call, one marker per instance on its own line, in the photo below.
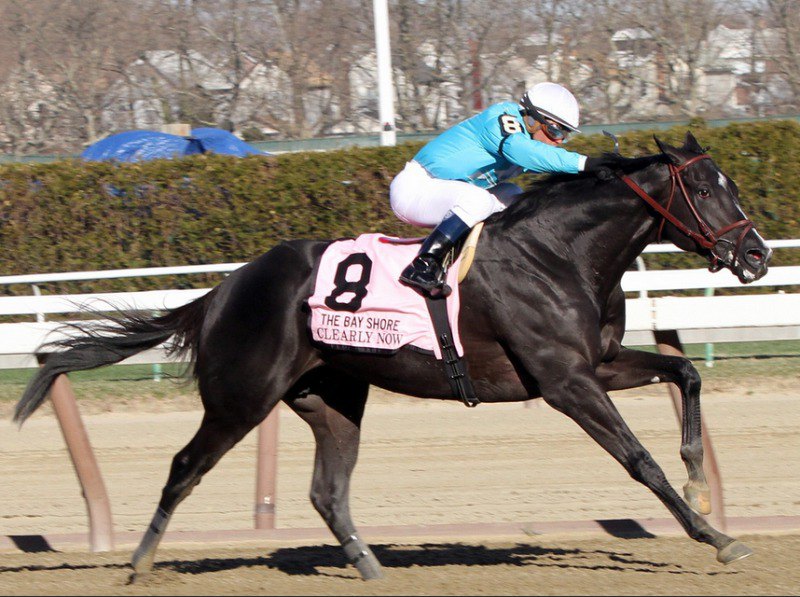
point(553, 130)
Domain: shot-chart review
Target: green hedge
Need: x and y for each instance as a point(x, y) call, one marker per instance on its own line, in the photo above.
point(73, 215)
point(761, 158)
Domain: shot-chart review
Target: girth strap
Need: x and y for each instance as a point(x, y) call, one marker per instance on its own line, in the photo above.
point(457, 376)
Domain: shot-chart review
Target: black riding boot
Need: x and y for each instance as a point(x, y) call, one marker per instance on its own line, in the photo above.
point(426, 272)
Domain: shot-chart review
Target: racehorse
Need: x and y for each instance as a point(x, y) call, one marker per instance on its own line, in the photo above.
point(542, 315)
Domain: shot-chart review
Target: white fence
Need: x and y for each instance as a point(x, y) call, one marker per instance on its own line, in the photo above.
point(745, 317)
point(733, 318)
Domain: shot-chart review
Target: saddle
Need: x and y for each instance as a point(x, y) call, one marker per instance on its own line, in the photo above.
point(358, 303)
point(465, 249)
point(458, 377)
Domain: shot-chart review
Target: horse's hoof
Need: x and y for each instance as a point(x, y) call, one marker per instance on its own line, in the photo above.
point(141, 569)
point(368, 566)
point(136, 577)
point(372, 575)
point(733, 552)
point(698, 499)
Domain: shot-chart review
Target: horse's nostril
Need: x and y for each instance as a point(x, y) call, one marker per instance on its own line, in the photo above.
point(758, 257)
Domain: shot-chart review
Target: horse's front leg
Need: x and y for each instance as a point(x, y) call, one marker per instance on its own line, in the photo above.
point(636, 368)
point(571, 386)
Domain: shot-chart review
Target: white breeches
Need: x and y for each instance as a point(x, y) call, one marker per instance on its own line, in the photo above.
point(422, 200)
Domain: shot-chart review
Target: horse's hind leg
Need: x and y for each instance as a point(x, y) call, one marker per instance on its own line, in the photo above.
point(214, 438)
point(636, 368)
point(333, 408)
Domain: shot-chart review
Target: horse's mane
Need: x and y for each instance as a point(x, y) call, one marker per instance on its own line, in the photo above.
point(569, 188)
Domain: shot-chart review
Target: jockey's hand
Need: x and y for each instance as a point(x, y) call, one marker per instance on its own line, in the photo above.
point(606, 166)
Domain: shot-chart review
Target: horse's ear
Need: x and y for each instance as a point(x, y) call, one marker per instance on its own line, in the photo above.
point(691, 144)
point(668, 150)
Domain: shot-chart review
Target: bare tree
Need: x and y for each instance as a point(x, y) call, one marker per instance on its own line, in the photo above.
point(74, 70)
point(451, 59)
point(189, 81)
point(289, 61)
point(679, 29)
point(70, 48)
point(79, 41)
point(490, 49)
point(785, 16)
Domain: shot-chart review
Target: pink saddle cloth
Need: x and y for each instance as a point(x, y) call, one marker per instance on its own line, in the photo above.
point(359, 304)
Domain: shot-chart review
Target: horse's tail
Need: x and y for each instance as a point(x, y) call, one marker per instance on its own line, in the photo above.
point(120, 336)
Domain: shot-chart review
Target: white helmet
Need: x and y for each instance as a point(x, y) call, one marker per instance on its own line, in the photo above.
point(555, 102)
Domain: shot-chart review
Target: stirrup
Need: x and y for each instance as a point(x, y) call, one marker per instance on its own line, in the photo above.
point(433, 291)
point(427, 281)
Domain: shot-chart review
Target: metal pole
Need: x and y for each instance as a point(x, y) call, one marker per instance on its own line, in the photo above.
point(709, 345)
point(642, 267)
point(37, 292)
point(156, 367)
point(385, 84)
point(668, 343)
point(267, 470)
point(101, 536)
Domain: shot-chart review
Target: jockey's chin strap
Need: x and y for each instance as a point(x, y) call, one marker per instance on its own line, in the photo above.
point(706, 237)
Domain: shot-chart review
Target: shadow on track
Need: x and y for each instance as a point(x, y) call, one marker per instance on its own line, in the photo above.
point(318, 560)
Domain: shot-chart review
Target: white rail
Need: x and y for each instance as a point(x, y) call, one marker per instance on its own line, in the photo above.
point(699, 319)
point(229, 267)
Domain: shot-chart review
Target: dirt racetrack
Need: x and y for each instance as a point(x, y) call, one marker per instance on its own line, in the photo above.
point(474, 482)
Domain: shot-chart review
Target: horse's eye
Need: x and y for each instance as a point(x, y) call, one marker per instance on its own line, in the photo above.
point(703, 193)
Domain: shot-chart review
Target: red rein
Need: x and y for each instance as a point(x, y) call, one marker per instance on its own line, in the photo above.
point(706, 238)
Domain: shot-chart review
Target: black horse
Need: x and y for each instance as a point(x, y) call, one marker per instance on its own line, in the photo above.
point(542, 315)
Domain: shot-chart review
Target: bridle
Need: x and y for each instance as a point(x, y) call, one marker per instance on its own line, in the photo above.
point(706, 238)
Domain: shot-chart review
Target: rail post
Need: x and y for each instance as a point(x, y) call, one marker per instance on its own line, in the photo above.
point(101, 527)
point(267, 470)
point(669, 343)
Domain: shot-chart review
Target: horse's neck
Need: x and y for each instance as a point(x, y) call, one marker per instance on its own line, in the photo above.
point(600, 236)
point(624, 226)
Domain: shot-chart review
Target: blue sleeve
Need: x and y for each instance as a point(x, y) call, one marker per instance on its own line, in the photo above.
point(536, 156)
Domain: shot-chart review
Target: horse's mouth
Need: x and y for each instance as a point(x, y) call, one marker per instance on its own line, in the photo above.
point(752, 264)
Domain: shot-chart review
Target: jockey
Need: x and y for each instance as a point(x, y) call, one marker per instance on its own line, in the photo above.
point(457, 179)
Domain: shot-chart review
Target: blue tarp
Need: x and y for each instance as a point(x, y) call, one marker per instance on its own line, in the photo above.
point(135, 146)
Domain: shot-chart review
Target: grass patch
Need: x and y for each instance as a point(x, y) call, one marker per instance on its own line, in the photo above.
point(743, 360)
point(113, 383)
point(122, 383)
